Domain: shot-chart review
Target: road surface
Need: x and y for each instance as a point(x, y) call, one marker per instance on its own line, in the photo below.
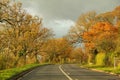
point(66, 72)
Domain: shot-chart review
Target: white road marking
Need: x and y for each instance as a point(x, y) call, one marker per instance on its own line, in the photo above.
point(65, 73)
point(25, 75)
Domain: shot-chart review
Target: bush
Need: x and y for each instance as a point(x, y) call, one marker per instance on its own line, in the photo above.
point(6, 61)
point(100, 59)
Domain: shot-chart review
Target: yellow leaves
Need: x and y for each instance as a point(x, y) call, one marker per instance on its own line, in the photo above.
point(4, 1)
point(27, 35)
point(23, 35)
point(5, 15)
point(59, 47)
point(19, 47)
point(34, 27)
point(28, 17)
point(118, 24)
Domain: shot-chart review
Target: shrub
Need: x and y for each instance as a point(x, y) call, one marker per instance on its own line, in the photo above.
point(100, 59)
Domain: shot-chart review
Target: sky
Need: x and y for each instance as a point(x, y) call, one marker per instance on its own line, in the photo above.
point(60, 15)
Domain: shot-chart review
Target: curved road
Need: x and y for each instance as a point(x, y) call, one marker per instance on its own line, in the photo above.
point(66, 72)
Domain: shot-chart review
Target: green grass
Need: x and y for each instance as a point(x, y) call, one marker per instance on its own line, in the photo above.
point(104, 68)
point(5, 74)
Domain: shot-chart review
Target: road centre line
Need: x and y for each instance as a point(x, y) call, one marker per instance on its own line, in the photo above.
point(60, 67)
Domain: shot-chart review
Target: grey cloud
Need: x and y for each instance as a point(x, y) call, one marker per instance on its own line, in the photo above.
point(69, 9)
point(60, 27)
point(66, 9)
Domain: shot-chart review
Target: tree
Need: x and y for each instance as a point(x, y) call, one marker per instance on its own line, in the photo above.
point(102, 34)
point(58, 50)
point(78, 55)
point(23, 33)
point(96, 32)
point(84, 22)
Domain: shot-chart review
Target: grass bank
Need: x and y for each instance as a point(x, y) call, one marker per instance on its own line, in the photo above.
point(103, 69)
point(5, 74)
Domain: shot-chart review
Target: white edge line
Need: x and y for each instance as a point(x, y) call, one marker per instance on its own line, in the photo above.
point(25, 74)
point(60, 67)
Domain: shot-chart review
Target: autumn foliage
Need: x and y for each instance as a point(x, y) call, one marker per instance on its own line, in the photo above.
point(21, 37)
point(24, 39)
point(99, 34)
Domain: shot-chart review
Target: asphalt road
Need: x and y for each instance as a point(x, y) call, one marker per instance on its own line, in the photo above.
point(66, 72)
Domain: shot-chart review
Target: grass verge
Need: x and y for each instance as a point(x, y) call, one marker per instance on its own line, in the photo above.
point(104, 69)
point(5, 74)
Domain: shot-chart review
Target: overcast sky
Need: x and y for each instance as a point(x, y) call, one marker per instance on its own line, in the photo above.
point(60, 15)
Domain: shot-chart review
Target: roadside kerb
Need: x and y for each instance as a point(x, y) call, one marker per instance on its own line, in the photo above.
point(100, 71)
point(19, 75)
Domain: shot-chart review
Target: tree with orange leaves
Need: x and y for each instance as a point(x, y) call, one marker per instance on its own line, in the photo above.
point(101, 35)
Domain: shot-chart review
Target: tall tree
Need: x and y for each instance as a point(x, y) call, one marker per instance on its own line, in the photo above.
point(23, 33)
